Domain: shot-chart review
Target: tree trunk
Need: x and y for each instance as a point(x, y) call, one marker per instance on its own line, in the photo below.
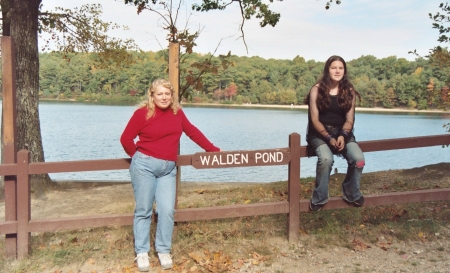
point(23, 17)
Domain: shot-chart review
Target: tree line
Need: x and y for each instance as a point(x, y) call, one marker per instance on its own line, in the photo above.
point(388, 82)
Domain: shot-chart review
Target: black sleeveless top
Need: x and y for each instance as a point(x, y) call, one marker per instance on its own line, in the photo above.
point(333, 118)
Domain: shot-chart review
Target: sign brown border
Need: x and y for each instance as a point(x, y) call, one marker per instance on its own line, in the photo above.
point(231, 159)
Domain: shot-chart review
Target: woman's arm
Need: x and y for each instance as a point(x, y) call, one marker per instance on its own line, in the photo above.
point(314, 112)
point(350, 116)
point(196, 135)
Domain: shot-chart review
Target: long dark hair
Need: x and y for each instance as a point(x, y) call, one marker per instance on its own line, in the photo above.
point(346, 89)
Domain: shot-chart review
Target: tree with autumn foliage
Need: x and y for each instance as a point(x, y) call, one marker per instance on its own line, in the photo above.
point(230, 91)
point(193, 74)
point(439, 56)
point(71, 30)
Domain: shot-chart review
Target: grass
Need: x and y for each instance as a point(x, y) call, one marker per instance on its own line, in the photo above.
point(218, 244)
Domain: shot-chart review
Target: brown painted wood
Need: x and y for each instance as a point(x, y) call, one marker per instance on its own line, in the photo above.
point(404, 143)
point(232, 159)
point(8, 228)
point(23, 226)
point(293, 224)
point(8, 169)
point(231, 211)
point(384, 199)
point(184, 160)
point(24, 206)
point(73, 223)
point(79, 166)
point(9, 135)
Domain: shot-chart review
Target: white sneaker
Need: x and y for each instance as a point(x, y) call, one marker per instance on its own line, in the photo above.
point(166, 260)
point(143, 262)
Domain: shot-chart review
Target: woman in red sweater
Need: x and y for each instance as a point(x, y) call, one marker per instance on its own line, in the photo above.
point(158, 123)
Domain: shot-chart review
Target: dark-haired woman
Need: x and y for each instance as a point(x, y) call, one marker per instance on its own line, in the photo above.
point(331, 116)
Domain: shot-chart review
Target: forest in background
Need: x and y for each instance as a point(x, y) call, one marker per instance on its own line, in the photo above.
point(389, 82)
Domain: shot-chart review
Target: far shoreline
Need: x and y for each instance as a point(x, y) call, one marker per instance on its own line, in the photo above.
point(305, 107)
point(266, 106)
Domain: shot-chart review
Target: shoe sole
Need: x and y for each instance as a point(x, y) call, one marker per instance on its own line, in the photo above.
point(354, 203)
point(165, 268)
point(144, 269)
point(320, 207)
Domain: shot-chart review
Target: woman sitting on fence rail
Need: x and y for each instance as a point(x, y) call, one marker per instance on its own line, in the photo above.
point(331, 116)
point(159, 123)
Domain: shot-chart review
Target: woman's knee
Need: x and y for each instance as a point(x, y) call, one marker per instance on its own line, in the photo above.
point(324, 155)
point(165, 211)
point(360, 163)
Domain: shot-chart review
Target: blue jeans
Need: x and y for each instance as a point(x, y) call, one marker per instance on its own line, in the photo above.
point(153, 180)
point(350, 187)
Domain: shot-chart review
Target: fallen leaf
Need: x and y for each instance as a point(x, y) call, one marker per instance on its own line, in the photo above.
point(247, 201)
point(359, 245)
point(383, 245)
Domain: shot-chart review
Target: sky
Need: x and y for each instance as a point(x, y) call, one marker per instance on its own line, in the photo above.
point(355, 28)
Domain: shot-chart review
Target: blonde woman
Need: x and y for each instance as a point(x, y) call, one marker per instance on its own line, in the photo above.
point(159, 123)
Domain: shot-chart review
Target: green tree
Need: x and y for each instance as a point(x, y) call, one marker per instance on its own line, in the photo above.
point(23, 20)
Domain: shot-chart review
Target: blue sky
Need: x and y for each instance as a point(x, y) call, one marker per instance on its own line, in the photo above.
point(381, 28)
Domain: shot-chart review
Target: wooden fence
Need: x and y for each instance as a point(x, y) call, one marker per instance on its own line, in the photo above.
point(19, 229)
point(16, 169)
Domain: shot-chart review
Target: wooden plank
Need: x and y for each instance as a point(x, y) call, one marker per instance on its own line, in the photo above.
point(8, 228)
point(24, 205)
point(184, 160)
point(79, 166)
point(8, 169)
point(9, 142)
point(231, 159)
point(231, 211)
point(293, 224)
point(384, 199)
point(404, 143)
point(72, 223)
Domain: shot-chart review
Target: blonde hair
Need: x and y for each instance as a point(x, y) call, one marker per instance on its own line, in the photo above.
point(150, 105)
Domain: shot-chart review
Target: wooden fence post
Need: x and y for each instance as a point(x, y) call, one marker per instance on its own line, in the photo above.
point(9, 135)
point(174, 78)
point(23, 204)
point(294, 188)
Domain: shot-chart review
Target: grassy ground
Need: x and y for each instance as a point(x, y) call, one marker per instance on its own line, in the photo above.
point(226, 245)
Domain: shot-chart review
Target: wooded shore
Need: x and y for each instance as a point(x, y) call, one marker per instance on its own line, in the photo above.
point(305, 107)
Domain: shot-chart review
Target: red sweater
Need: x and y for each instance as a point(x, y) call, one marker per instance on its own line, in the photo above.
point(159, 136)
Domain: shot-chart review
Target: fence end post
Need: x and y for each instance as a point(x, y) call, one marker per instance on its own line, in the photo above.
point(23, 204)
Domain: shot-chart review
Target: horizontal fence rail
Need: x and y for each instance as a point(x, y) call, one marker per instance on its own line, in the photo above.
point(282, 156)
point(186, 160)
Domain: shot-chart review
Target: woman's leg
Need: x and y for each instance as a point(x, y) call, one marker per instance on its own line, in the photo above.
point(323, 169)
point(165, 208)
point(144, 187)
point(355, 159)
